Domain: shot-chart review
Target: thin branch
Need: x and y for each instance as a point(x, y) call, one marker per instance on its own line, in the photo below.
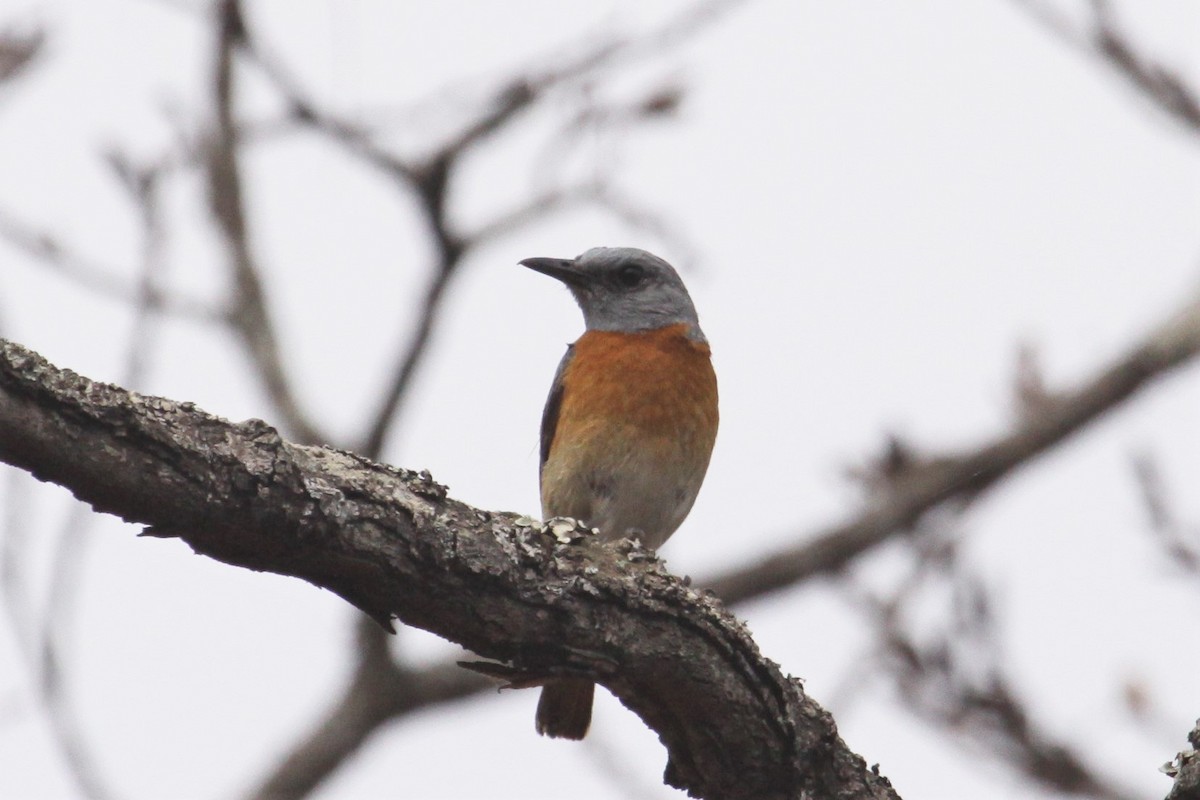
point(385, 418)
point(73, 540)
point(249, 314)
point(638, 217)
point(14, 544)
point(935, 682)
point(18, 50)
point(60, 717)
point(51, 254)
point(617, 771)
point(1162, 86)
point(533, 210)
point(961, 477)
point(378, 691)
point(955, 679)
point(303, 110)
point(505, 101)
point(1183, 549)
point(429, 177)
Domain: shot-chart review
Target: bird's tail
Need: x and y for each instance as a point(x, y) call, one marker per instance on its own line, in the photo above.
point(565, 708)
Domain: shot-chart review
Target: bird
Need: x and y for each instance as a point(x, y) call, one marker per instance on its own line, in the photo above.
point(630, 422)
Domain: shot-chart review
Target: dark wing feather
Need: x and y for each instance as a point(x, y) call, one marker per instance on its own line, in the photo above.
point(553, 406)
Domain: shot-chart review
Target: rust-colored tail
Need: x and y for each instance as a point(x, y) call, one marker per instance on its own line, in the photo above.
point(565, 708)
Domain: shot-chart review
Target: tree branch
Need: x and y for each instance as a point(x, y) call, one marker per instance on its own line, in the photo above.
point(952, 673)
point(248, 314)
point(19, 49)
point(379, 690)
point(1154, 81)
point(391, 542)
point(102, 279)
point(1177, 540)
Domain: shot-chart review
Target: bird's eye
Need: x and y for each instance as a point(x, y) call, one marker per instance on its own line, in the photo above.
point(631, 276)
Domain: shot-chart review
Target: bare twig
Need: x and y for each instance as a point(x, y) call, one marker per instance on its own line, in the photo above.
point(413, 354)
point(248, 314)
point(1168, 91)
point(1162, 86)
point(1182, 546)
point(53, 255)
point(955, 679)
point(616, 771)
point(429, 176)
point(14, 544)
point(953, 676)
point(378, 691)
point(18, 49)
point(71, 549)
point(304, 111)
point(44, 667)
point(533, 210)
point(961, 477)
point(638, 217)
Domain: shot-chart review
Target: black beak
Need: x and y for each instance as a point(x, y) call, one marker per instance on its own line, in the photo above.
point(563, 269)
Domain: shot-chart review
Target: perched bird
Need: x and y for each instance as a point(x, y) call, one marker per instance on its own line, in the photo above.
point(630, 422)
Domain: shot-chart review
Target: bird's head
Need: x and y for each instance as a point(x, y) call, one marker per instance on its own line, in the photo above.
point(623, 289)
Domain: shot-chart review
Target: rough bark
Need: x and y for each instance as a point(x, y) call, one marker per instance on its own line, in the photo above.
point(390, 541)
point(1185, 769)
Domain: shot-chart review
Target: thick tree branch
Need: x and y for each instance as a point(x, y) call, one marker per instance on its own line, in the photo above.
point(391, 542)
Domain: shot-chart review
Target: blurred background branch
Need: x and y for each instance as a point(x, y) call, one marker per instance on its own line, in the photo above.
point(1162, 87)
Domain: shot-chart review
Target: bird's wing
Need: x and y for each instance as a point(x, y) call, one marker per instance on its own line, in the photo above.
point(553, 406)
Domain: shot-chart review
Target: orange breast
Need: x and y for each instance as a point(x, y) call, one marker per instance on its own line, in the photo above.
point(634, 432)
point(661, 381)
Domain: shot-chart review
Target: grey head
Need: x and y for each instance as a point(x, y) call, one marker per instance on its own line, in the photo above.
point(623, 289)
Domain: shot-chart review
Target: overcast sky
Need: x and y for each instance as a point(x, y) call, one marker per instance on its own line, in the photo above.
point(873, 204)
